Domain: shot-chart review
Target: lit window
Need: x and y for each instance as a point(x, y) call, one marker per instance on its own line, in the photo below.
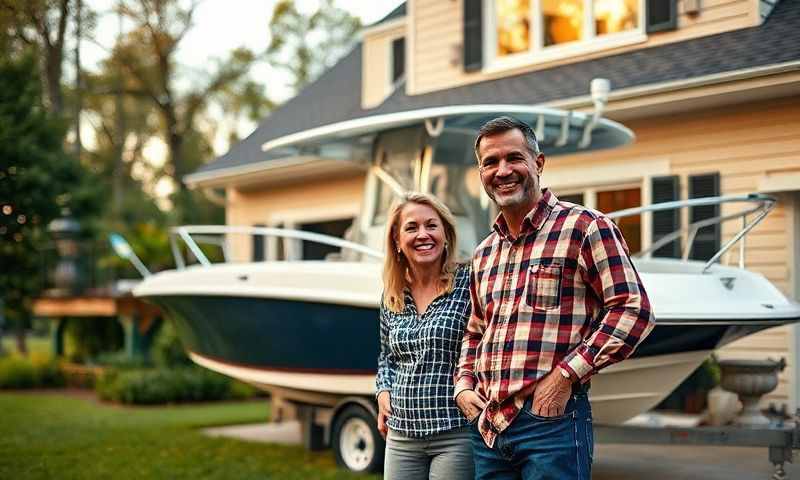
point(612, 16)
point(563, 21)
point(513, 26)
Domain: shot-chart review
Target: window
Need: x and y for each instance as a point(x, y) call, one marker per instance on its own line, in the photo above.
point(630, 226)
point(563, 21)
point(334, 228)
point(540, 29)
point(398, 60)
point(512, 18)
point(707, 241)
point(257, 246)
point(576, 198)
point(614, 16)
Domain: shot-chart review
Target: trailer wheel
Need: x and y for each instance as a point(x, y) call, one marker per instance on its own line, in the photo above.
point(356, 442)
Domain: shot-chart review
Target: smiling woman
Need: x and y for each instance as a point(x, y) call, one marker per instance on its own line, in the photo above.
point(422, 318)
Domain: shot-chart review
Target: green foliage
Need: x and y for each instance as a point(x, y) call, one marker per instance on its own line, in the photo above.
point(162, 385)
point(121, 360)
point(86, 338)
point(34, 372)
point(305, 46)
point(38, 182)
point(167, 348)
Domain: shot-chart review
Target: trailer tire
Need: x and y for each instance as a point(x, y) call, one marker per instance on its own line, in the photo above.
point(356, 442)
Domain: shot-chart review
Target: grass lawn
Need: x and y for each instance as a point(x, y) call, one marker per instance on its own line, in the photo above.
point(54, 435)
point(37, 345)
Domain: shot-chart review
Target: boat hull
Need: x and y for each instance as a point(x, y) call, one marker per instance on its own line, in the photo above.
point(318, 352)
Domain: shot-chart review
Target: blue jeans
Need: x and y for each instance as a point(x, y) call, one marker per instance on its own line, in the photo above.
point(539, 448)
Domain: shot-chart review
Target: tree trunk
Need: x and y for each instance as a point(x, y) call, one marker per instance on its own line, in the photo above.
point(22, 337)
point(53, 59)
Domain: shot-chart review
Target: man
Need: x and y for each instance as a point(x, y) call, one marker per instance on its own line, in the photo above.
point(555, 298)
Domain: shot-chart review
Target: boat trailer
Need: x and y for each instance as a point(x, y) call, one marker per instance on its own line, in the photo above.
point(781, 438)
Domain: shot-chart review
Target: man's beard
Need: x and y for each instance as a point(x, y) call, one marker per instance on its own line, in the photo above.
point(519, 197)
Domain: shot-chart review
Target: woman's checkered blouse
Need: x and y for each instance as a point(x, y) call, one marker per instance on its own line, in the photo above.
point(417, 360)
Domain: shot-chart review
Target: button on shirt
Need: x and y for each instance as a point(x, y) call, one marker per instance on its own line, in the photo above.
point(417, 360)
point(564, 293)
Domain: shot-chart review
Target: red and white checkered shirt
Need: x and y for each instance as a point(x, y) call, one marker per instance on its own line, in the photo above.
point(563, 293)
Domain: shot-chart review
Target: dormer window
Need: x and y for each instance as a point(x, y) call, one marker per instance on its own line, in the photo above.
point(517, 32)
point(398, 60)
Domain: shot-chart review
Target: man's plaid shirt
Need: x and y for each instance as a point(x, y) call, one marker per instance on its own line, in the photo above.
point(563, 293)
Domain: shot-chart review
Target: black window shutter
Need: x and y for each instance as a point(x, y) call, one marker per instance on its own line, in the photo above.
point(707, 240)
point(258, 246)
point(662, 15)
point(473, 35)
point(398, 59)
point(666, 189)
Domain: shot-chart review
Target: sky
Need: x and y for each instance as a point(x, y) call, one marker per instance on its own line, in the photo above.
point(219, 27)
point(223, 25)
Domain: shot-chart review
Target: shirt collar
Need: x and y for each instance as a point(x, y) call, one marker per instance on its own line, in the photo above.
point(533, 221)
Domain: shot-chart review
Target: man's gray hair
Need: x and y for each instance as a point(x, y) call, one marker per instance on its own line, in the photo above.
point(504, 124)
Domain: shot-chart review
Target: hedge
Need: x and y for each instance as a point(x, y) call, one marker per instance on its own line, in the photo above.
point(163, 385)
point(33, 372)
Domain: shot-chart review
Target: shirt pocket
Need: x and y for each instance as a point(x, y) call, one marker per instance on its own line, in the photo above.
point(543, 287)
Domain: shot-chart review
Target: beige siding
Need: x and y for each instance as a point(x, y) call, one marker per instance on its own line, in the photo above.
point(331, 200)
point(436, 30)
point(743, 144)
point(375, 66)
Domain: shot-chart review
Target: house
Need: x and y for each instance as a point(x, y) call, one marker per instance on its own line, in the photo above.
point(711, 89)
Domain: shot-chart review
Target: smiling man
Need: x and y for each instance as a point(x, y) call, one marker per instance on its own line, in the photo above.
point(555, 298)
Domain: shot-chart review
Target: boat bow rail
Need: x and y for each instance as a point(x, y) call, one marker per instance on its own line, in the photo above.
point(759, 206)
point(194, 235)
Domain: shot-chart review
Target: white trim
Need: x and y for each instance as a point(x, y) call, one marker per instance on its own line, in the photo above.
point(195, 178)
point(676, 85)
point(539, 53)
point(330, 212)
point(382, 28)
point(793, 231)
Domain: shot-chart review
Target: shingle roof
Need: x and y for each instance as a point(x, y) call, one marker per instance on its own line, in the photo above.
point(336, 95)
point(398, 12)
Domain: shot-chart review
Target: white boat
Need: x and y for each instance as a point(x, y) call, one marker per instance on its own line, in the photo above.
point(310, 328)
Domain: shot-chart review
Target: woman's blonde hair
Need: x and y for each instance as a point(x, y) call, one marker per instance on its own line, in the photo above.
point(395, 266)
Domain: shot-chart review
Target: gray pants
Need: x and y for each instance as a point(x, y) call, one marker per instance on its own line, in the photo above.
point(446, 456)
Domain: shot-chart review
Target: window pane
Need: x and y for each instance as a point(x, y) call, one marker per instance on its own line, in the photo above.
point(611, 16)
point(631, 226)
point(563, 21)
point(513, 26)
point(576, 198)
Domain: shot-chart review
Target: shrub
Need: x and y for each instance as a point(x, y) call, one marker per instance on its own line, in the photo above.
point(86, 338)
point(161, 385)
point(122, 360)
point(33, 372)
point(168, 350)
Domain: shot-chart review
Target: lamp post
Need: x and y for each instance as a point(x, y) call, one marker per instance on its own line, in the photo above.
point(66, 276)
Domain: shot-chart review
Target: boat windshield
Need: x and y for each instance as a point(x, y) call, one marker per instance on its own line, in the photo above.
point(454, 179)
point(405, 159)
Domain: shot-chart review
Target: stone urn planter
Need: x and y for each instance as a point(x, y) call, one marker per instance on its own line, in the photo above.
point(750, 380)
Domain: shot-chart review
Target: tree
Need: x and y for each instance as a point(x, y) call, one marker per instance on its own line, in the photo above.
point(147, 54)
point(38, 182)
point(305, 46)
point(43, 24)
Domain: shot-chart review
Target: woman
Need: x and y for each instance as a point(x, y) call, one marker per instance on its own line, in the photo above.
point(425, 308)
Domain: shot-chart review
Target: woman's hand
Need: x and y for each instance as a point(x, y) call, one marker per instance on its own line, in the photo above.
point(384, 410)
